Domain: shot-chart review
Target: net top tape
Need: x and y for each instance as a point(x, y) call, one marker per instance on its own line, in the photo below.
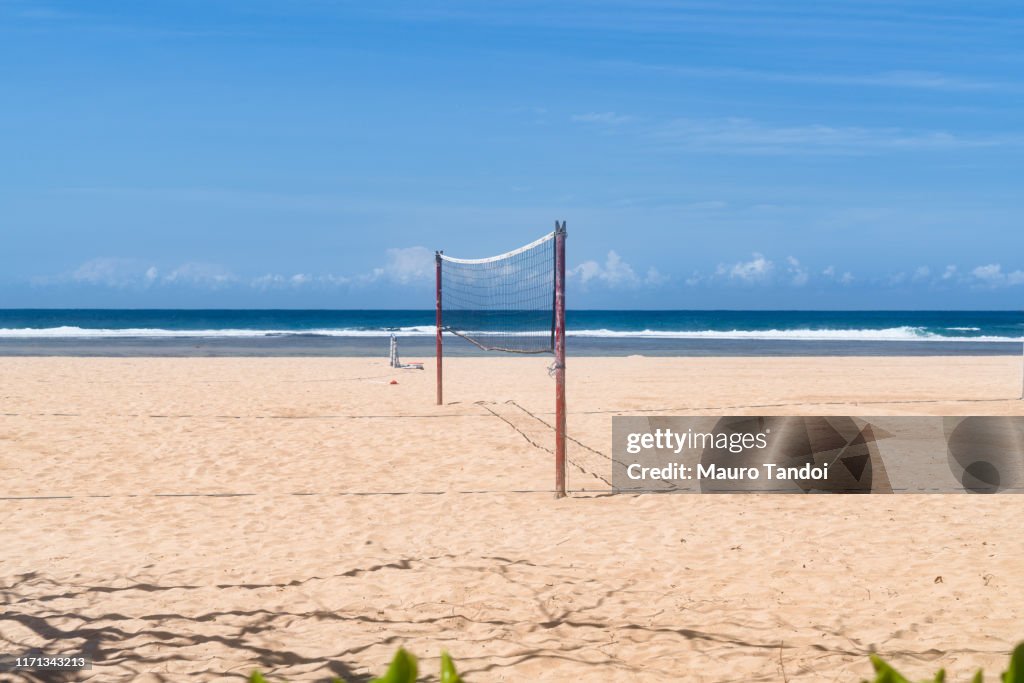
point(499, 257)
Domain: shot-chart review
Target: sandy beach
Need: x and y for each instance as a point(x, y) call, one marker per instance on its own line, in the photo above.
point(196, 518)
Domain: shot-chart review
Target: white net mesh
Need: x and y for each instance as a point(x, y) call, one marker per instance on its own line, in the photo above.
point(503, 303)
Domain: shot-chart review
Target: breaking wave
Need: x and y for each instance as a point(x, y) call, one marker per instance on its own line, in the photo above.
point(903, 333)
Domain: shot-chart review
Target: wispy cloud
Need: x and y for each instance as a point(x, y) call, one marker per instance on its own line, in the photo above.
point(830, 273)
point(791, 21)
point(987, 276)
point(738, 135)
point(402, 266)
point(109, 272)
point(297, 281)
point(198, 274)
point(900, 79)
point(605, 118)
point(746, 136)
point(135, 273)
point(414, 267)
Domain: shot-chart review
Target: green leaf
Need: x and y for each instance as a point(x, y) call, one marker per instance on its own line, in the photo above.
point(448, 672)
point(257, 677)
point(1015, 674)
point(978, 677)
point(941, 676)
point(402, 670)
point(885, 673)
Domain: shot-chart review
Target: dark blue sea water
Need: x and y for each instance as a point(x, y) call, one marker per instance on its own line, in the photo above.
point(820, 325)
point(599, 332)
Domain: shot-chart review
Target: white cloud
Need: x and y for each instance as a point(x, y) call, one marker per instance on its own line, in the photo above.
point(110, 272)
point(992, 275)
point(135, 273)
point(199, 274)
point(586, 271)
point(277, 281)
point(402, 266)
point(831, 273)
point(988, 273)
point(269, 281)
point(655, 277)
point(799, 274)
point(415, 266)
point(615, 272)
point(405, 266)
point(758, 269)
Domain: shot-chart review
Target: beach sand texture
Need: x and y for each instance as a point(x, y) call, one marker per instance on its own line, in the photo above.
point(194, 518)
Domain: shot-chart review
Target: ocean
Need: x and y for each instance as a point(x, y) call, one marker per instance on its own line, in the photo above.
point(365, 332)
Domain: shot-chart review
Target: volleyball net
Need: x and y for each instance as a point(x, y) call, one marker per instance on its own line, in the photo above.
point(502, 303)
point(513, 303)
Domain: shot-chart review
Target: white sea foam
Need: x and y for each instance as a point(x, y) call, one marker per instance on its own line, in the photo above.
point(904, 333)
point(153, 332)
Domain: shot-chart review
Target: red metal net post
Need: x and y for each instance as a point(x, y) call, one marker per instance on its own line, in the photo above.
point(560, 234)
point(437, 271)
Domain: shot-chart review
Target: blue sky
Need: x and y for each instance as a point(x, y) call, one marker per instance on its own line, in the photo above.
point(312, 153)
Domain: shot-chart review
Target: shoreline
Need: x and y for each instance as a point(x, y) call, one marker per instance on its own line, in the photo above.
point(422, 348)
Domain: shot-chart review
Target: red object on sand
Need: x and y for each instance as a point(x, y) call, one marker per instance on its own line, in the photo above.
point(394, 381)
